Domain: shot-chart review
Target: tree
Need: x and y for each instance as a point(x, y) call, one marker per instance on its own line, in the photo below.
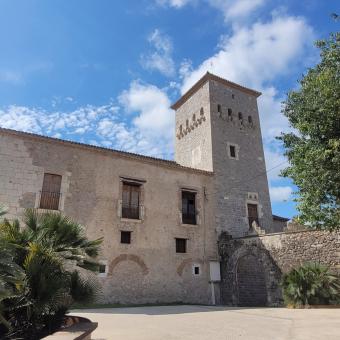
point(51, 251)
point(313, 149)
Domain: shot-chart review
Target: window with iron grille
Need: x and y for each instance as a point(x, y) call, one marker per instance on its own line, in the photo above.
point(252, 214)
point(232, 150)
point(50, 193)
point(181, 245)
point(131, 200)
point(102, 268)
point(125, 237)
point(188, 207)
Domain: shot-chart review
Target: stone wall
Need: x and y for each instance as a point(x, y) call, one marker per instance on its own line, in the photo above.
point(256, 263)
point(148, 269)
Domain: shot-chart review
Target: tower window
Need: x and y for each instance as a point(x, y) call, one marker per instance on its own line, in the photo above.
point(219, 108)
point(202, 111)
point(252, 214)
point(181, 245)
point(125, 237)
point(232, 96)
point(230, 112)
point(194, 118)
point(250, 120)
point(240, 117)
point(188, 207)
point(187, 123)
point(232, 150)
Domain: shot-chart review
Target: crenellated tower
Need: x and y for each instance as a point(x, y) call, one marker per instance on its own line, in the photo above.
point(218, 129)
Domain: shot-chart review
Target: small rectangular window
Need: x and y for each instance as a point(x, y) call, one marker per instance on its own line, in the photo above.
point(219, 108)
point(181, 245)
point(125, 237)
point(197, 270)
point(131, 200)
point(252, 214)
point(102, 269)
point(232, 150)
point(50, 193)
point(188, 207)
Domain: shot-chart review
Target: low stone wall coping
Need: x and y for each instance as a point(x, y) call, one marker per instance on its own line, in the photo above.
point(81, 330)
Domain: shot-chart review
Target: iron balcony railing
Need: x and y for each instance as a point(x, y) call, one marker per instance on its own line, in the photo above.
point(130, 211)
point(189, 218)
point(49, 200)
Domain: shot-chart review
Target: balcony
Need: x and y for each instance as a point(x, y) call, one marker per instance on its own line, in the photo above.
point(131, 212)
point(49, 200)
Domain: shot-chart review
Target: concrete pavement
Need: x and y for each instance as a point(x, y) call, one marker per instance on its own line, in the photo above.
point(213, 323)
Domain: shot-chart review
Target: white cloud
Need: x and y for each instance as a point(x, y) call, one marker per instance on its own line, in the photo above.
point(10, 76)
point(153, 107)
point(256, 55)
point(280, 193)
point(173, 3)
point(149, 132)
point(161, 58)
point(234, 10)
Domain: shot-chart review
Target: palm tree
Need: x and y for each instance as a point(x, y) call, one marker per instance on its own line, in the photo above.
point(54, 253)
point(310, 284)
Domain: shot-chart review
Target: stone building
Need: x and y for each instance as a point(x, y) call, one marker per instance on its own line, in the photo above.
point(161, 220)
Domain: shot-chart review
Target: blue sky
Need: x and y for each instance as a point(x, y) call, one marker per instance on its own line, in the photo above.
point(105, 72)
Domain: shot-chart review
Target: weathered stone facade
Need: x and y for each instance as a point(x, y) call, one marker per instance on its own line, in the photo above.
point(252, 266)
point(214, 117)
point(218, 157)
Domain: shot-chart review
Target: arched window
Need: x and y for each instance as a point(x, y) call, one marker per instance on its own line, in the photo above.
point(250, 120)
point(219, 108)
point(240, 117)
point(201, 111)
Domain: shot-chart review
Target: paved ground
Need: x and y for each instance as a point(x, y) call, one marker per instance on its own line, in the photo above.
point(214, 323)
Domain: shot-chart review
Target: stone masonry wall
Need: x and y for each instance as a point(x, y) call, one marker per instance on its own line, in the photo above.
point(275, 254)
point(148, 269)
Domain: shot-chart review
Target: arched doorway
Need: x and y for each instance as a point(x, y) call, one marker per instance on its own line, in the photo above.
point(251, 283)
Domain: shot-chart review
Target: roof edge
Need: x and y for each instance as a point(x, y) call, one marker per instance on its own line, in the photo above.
point(203, 80)
point(123, 154)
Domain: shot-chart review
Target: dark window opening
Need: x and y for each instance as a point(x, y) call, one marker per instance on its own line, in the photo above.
point(232, 150)
point(50, 193)
point(250, 120)
point(181, 245)
point(252, 214)
point(201, 111)
point(240, 117)
point(125, 237)
point(188, 207)
point(230, 112)
point(196, 270)
point(219, 108)
point(233, 96)
point(194, 118)
point(131, 200)
point(102, 269)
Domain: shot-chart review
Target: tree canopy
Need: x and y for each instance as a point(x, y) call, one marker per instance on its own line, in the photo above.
point(313, 148)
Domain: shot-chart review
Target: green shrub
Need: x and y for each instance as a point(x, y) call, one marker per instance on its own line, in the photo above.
point(310, 284)
point(40, 273)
